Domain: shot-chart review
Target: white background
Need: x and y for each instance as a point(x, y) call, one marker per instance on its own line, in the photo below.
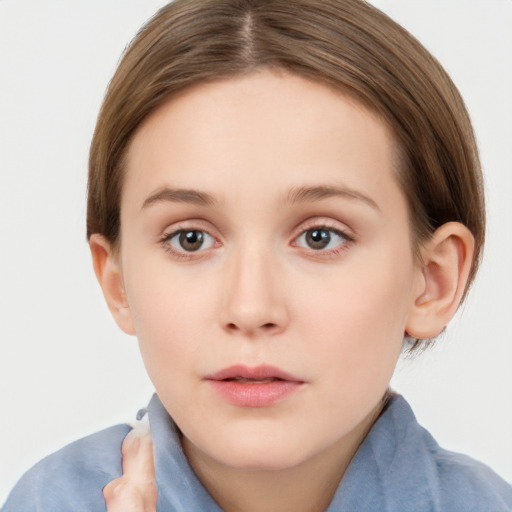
point(65, 368)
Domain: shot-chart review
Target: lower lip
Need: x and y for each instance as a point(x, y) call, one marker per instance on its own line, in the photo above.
point(254, 394)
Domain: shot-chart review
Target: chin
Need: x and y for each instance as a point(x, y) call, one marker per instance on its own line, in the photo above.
point(262, 462)
point(263, 453)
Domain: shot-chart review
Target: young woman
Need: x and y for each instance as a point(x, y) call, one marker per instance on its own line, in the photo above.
point(281, 195)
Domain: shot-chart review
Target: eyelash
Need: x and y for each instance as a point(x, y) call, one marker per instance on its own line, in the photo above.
point(325, 226)
point(184, 255)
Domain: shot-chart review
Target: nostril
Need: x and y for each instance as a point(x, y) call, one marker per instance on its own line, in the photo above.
point(265, 327)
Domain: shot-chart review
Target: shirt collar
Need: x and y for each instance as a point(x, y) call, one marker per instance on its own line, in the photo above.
point(390, 472)
point(179, 489)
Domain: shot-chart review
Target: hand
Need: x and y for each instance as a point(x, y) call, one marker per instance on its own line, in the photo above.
point(135, 490)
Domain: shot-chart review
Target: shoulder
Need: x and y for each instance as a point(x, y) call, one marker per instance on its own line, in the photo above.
point(73, 478)
point(466, 484)
point(449, 481)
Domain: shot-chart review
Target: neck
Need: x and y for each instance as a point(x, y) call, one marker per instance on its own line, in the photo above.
point(306, 487)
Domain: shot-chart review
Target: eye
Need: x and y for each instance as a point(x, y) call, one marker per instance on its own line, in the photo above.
point(189, 240)
point(320, 238)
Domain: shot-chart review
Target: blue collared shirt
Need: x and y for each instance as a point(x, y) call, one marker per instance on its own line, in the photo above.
point(398, 468)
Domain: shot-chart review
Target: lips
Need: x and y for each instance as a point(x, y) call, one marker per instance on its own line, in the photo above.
point(259, 386)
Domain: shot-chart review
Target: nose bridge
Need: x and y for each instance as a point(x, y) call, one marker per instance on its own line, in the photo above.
point(254, 300)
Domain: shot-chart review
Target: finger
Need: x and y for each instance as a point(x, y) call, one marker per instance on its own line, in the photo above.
point(135, 490)
point(122, 496)
point(138, 462)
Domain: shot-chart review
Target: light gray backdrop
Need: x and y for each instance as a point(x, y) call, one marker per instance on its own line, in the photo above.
point(65, 368)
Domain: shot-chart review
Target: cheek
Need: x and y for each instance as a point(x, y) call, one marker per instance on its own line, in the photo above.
point(360, 317)
point(168, 313)
point(362, 299)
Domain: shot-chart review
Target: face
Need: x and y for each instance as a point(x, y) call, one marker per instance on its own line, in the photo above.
point(267, 264)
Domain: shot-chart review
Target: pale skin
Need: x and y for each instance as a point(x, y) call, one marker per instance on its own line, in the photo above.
point(135, 491)
point(260, 167)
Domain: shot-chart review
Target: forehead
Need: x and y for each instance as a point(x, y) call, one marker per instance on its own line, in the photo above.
point(263, 128)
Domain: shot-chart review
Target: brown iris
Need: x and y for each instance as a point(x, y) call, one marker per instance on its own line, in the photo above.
point(191, 240)
point(318, 238)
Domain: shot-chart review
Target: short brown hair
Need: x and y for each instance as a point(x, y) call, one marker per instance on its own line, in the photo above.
point(346, 44)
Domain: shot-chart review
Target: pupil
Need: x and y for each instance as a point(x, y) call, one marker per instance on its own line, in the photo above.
point(318, 238)
point(191, 240)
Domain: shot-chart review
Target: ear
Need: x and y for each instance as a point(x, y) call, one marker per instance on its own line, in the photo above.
point(447, 259)
point(107, 266)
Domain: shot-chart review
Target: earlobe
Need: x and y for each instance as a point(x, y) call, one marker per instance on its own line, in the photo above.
point(108, 272)
point(447, 259)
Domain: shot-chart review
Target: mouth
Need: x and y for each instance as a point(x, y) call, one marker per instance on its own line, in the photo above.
point(252, 381)
point(261, 373)
point(260, 386)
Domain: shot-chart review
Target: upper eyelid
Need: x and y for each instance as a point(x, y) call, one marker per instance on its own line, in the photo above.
point(195, 225)
point(301, 228)
point(325, 224)
point(326, 228)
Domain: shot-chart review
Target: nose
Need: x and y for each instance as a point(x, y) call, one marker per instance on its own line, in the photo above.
point(253, 297)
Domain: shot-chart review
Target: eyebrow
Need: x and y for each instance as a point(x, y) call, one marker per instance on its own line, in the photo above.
point(295, 195)
point(317, 193)
point(179, 195)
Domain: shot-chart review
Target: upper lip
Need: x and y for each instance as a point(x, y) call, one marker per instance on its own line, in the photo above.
point(260, 372)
